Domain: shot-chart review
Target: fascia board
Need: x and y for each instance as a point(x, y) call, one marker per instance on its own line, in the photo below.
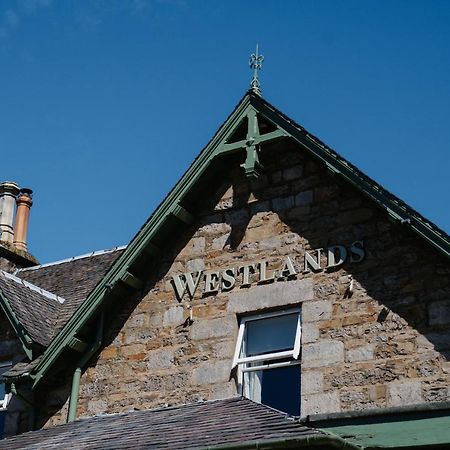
point(139, 242)
point(199, 166)
point(23, 336)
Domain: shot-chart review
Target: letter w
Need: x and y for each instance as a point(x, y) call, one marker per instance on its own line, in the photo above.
point(186, 281)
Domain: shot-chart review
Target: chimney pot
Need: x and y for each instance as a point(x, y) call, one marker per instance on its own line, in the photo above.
point(24, 202)
point(8, 193)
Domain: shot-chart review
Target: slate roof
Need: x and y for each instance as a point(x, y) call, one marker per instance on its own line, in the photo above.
point(195, 426)
point(44, 297)
point(35, 308)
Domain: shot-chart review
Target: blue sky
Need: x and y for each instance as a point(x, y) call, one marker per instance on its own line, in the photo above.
point(104, 103)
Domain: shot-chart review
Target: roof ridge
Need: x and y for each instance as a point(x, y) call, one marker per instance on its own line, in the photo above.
point(73, 258)
point(33, 287)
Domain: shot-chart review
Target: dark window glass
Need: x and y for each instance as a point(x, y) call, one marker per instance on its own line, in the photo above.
point(274, 334)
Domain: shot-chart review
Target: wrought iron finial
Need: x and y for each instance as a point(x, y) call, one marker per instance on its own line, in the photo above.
point(255, 63)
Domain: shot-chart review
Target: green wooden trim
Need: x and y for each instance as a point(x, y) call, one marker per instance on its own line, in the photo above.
point(77, 345)
point(132, 281)
point(396, 434)
point(183, 214)
point(327, 441)
point(251, 104)
point(22, 334)
point(139, 243)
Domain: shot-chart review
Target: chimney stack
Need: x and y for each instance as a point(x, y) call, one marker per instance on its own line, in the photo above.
point(24, 202)
point(8, 193)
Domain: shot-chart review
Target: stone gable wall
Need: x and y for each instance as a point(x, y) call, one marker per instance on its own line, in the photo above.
point(385, 345)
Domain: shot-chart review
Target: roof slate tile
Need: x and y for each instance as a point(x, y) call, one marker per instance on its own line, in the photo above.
point(194, 426)
point(51, 293)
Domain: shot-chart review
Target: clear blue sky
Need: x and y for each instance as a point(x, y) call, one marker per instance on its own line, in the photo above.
point(104, 103)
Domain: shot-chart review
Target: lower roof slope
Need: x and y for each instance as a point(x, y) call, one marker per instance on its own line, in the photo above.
point(36, 309)
point(44, 297)
point(73, 278)
point(195, 426)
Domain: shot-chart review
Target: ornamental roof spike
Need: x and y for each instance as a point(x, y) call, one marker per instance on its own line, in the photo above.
point(255, 63)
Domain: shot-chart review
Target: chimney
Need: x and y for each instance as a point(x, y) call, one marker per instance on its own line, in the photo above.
point(8, 193)
point(24, 202)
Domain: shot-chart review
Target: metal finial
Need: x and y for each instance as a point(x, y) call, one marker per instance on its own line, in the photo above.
point(255, 63)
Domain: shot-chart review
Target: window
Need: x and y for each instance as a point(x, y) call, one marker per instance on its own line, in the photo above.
point(4, 397)
point(267, 352)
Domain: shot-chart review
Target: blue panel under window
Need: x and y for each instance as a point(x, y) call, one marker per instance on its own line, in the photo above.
point(277, 387)
point(280, 389)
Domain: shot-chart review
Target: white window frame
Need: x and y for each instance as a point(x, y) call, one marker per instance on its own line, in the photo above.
point(294, 353)
point(5, 400)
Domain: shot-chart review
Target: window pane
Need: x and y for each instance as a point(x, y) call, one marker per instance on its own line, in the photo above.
point(270, 335)
point(278, 388)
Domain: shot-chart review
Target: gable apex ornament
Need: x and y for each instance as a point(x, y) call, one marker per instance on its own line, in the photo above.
point(255, 63)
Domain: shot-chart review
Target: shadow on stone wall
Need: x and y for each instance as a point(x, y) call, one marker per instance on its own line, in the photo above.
point(399, 312)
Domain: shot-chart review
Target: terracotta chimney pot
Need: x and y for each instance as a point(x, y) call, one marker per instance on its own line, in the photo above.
point(8, 193)
point(24, 202)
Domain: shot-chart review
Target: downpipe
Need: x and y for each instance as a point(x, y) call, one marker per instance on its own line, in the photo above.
point(76, 378)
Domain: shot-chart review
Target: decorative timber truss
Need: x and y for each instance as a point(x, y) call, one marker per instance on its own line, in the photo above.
point(253, 124)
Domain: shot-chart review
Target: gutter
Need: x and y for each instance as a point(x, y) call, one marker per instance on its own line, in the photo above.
point(398, 412)
point(327, 441)
point(72, 412)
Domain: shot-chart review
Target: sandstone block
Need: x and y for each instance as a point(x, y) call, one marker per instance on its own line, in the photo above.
point(292, 173)
point(224, 349)
point(271, 242)
point(322, 353)
point(363, 353)
point(196, 246)
point(173, 316)
point(133, 349)
point(213, 328)
point(223, 391)
point(281, 293)
point(215, 228)
point(439, 313)
point(280, 203)
point(405, 393)
point(312, 382)
point(97, 406)
point(377, 392)
point(138, 321)
point(354, 216)
point(219, 242)
point(109, 353)
point(259, 207)
point(213, 372)
point(317, 310)
point(195, 265)
point(304, 198)
point(310, 332)
point(320, 403)
point(237, 217)
point(161, 359)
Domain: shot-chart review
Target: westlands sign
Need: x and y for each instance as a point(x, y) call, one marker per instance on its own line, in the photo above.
point(258, 272)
